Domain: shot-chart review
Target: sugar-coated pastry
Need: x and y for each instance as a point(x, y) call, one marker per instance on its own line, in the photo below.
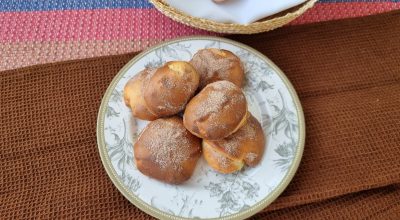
point(244, 147)
point(133, 96)
point(166, 151)
point(170, 87)
point(216, 111)
point(217, 64)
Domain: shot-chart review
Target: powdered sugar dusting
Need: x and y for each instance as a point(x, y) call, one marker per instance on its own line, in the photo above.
point(169, 145)
point(231, 146)
point(168, 87)
point(224, 85)
point(150, 73)
point(168, 83)
point(168, 105)
point(249, 130)
point(214, 103)
point(209, 65)
point(218, 99)
point(232, 143)
point(222, 160)
point(182, 84)
point(251, 156)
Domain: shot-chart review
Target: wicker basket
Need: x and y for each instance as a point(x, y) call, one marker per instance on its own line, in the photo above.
point(266, 24)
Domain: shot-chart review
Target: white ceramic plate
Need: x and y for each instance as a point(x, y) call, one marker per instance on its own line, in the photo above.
point(208, 194)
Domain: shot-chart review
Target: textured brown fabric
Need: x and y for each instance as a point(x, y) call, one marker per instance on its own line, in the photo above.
point(347, 74)
point(381, 203)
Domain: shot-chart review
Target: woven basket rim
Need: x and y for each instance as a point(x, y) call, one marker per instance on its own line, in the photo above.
point(255, 27)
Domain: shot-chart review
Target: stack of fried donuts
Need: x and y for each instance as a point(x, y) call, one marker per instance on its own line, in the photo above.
point(216, 121)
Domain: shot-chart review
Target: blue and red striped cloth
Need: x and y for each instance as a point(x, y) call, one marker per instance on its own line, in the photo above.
point(40, 31)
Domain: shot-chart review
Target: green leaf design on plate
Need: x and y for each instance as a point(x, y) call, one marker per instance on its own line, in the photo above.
point(286, 151)
point(285, 120)
point(233, 191)
point(122, 152)
point(116, 96)
point(110, 112)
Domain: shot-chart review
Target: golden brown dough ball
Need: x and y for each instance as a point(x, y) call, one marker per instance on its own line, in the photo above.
point(166, 151)
point(217, 64)
point(217, 111)
point(170, 87)
point(133, 96)
point(246, 146)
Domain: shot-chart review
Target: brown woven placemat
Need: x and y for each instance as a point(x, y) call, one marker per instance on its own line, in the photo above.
point(347, 74)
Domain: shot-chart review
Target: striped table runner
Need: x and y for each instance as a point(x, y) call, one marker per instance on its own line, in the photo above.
point(40, 31)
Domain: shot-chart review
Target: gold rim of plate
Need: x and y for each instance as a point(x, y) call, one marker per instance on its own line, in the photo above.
point(209, 25)
point(163, 215)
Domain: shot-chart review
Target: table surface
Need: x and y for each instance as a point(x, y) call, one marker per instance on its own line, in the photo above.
point(42, 31)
